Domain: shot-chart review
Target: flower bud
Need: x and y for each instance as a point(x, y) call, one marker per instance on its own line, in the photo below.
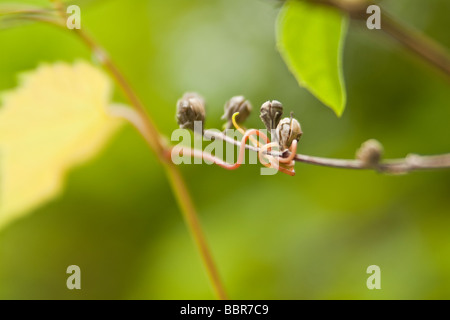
point(190, 108)
point(287, 130)
point(271, 112)
point(370, 153)
point(236, 104)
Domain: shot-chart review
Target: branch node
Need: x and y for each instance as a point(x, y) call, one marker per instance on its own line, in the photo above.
point(370, 154)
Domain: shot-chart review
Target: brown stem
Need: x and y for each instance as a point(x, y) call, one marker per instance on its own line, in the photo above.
point(181, 194)
point(190, 216)
point(152, 135)
point(418, 43)
point(413, 40)
point(153, 138)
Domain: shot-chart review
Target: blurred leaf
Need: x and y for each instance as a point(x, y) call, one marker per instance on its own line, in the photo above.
point(55, 119)
point(15, 8)
point(310, 40)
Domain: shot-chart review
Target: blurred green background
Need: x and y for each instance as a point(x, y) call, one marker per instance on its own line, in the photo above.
point(311, 236)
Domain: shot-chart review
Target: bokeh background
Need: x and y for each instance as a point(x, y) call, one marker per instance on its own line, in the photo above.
point(311, 236)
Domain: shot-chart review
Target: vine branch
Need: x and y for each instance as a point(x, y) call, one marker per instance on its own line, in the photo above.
point(412, 162)
point(153, 138)
point(415, 41)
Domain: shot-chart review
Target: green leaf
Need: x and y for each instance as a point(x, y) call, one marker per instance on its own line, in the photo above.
point(310, 39)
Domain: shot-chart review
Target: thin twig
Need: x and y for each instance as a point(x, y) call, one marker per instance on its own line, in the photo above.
point(412, 162)
point(181, 194)
point(190, 216)
point(152, 136)
point(418, 43)
point(412, 39)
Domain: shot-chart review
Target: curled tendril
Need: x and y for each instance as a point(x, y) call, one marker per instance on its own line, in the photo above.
point(274, 161)
point(206, 156)
point(267, 147)
point(238, 128)
point(285, 165)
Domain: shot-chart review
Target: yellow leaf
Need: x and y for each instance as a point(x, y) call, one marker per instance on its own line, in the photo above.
point(57, 118)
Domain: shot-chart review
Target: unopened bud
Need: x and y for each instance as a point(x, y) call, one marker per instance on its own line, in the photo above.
point(271, 112)
point(190, 108)
point(287, 131)
point(370, 153)
point(236, 104)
